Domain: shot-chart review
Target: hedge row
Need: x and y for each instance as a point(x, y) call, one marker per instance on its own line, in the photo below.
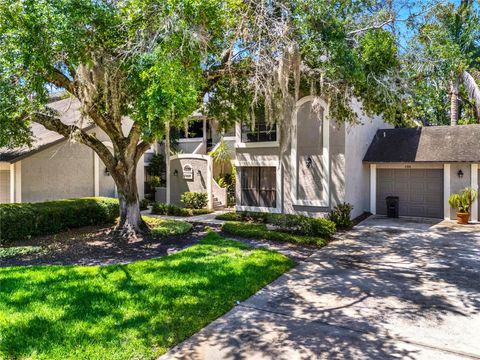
point(174, 210)
point(21, 221)
point(302, 225)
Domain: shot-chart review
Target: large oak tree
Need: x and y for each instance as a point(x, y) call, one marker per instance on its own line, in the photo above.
point(156, 61)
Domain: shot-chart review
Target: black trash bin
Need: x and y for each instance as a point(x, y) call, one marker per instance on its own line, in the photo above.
point(392, 206)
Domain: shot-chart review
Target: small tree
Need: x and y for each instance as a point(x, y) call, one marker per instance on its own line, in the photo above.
point(222, 155)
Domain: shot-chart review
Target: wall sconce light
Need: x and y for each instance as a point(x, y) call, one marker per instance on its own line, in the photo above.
point(107, 173)
point(460, 173)
point(175, 173)
point(309, 162)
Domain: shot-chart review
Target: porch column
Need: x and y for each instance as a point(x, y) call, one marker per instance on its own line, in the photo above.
point(205, 134)
point(96, 175)
point(446, 191)
point(18, 182)
point(474, 185)
point(373, 188)
point(209, 182)
point(12, 183)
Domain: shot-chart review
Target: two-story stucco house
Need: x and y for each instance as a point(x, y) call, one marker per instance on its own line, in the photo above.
point(323, 163)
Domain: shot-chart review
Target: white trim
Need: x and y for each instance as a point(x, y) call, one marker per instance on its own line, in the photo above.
point(407, 165)
point(209, 182)
point(278, 184)
point(18, 181)
point(189, 156)
point(446, 191)
point(261, 144)
point(96, 175)
point(12, 183)
point(190, 140)
point(373, 189)
point(474, 185)
point(325, 201)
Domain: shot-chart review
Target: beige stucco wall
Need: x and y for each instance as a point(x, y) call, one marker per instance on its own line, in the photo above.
point(4, 186)
point(457, 184)
point(357, 175)
point(61, 171)
point(179, 185)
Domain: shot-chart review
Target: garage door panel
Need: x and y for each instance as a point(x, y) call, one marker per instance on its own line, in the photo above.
point(420, 191)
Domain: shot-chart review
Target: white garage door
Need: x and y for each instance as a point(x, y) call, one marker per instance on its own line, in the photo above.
point(420, 191)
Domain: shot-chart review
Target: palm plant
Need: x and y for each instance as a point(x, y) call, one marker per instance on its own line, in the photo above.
point(464, 200)
point(447, 54)
point(222, 155)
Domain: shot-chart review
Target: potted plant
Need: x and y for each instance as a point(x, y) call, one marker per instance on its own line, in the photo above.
point(462, 203)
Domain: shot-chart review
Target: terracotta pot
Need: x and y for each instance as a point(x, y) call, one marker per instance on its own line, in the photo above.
point(462, 218)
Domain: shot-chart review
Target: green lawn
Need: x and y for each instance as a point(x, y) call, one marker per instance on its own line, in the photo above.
point(133, 311)
point(165, 227)
point(260, 231)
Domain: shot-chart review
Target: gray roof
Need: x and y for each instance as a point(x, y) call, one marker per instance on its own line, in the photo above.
point(426, 144)
point(70, 114)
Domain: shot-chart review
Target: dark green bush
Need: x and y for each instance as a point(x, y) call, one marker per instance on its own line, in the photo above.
point(173, 210)
point(144, 203)
point(194, 200)
point(20, 221)
point(340, 215)
point(260, 231)
point(299, 224)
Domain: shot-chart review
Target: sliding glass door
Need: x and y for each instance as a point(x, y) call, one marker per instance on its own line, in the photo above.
point(258, 186)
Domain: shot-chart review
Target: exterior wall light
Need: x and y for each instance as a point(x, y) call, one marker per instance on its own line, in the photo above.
point(460, 173)
point(107, 173)
point(175, 173)
point(309, 162)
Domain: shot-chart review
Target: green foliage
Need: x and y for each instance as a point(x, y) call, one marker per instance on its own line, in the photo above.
point(155, 181)
point(228, 181)
point(145, 203)
point(13, 251)
point(340, 215)
point(298, 224)
point(173, 210)
point(260, 231)
point(444, 46)
point(194, 200)
point(464, 200)
point(131, 311)
point(157, 165)
point(168, 227)
point(21, 221)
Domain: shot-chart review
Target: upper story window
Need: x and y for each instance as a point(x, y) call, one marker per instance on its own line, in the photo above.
point(260, 132)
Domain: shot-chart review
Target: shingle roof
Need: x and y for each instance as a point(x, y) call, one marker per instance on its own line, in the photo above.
point(427, 144)
point(69, 112)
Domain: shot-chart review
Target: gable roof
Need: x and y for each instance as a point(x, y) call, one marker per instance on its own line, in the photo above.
point(459, 143)
point(69, 113)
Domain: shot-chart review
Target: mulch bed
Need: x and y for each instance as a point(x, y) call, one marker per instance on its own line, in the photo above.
point(100, 245)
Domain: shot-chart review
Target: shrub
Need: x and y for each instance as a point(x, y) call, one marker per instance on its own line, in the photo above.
point(194, 200)
point(144, 203)
point(300, 224)
point(173, 210)
point(340, 215)
point(260, 231)
point(20, 221)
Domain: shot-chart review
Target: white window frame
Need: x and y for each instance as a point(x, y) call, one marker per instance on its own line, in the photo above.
point(325, 202)
point(261, 144)
point(278, 191)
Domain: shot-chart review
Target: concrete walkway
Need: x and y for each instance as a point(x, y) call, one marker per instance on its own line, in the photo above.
point(207, 219)
point(386, 290)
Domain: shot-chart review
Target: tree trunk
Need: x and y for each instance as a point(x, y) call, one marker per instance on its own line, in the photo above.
point(454, 102)
point(130, 217)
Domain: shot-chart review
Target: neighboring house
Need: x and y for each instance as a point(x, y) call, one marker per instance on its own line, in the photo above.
point(56, 168)
point(423, 167)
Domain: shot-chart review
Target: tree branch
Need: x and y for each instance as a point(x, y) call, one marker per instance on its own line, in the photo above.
point(57, 78)
point(52, 123)
point(371, 27)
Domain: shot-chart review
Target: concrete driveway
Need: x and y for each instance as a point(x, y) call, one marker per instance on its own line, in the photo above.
point(389, 289)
